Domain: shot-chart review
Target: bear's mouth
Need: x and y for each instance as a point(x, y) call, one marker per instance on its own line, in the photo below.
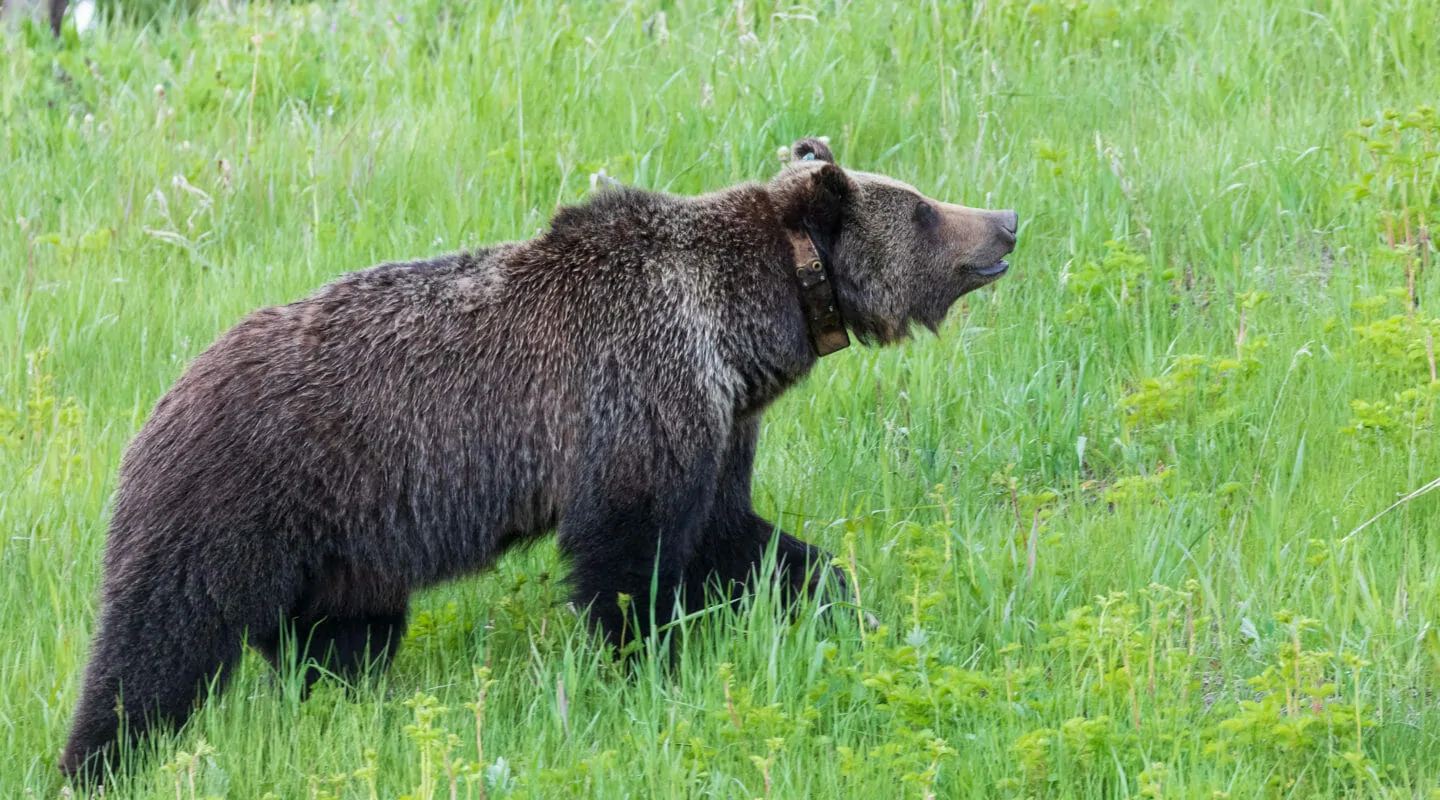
point(994, 270)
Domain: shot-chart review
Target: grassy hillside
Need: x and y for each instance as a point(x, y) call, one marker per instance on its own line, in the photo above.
point(1119, 518)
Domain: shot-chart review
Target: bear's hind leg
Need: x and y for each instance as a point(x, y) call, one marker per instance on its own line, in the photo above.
point(349, 620)
point(348, 646)
point(155, 654)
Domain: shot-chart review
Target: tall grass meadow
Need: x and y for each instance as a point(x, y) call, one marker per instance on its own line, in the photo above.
point(1151, 517)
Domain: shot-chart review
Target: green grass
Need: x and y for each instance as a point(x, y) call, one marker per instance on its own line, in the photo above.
point(1110, 536)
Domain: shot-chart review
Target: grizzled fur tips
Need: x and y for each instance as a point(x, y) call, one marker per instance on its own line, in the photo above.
point(408, 423)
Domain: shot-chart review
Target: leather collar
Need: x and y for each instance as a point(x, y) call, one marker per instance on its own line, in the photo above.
point(817, 297)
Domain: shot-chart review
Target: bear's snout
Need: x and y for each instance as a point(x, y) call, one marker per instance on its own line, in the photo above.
point(984, 237)
point(1005, 225)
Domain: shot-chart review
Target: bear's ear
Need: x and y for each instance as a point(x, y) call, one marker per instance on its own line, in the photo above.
point(833, 189)
point(813, 198)
point(812, 149)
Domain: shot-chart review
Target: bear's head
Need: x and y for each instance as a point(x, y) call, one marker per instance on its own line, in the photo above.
point(895, 256)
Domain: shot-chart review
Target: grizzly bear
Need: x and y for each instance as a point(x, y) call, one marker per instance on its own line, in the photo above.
point(408, 423)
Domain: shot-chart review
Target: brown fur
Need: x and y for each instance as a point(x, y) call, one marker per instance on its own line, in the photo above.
point(407, 423)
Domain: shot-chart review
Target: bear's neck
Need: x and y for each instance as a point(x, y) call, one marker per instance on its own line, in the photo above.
point(755, 295)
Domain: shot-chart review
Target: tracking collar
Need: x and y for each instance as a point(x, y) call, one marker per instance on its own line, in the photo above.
point(817, 297)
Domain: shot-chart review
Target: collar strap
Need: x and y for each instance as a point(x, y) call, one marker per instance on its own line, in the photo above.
point(817, 297)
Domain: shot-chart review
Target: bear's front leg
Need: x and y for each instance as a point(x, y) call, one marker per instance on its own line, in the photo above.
point(729, 554)
point(733, 543)
point(629, 528)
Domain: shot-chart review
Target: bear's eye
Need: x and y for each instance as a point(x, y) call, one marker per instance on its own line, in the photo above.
point(926, 215)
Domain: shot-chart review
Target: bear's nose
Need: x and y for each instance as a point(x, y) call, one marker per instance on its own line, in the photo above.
point(1007, 223)
point(1010, 222)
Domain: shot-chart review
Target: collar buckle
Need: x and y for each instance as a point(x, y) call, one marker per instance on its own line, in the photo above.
point(817, 298)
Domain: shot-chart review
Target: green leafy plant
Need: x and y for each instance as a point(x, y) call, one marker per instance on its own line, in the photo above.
point(1297, 714)
point(1114, 283)
point(1194, 387)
